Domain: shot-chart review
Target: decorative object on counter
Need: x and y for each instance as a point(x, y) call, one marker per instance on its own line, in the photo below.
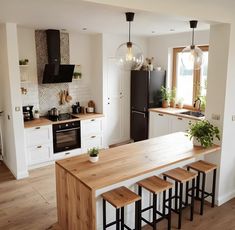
point(203, 133)
point(91, 107)
point(36, 114)
point(28, 112)
point(93, 155)
point(129, 55)
point(165, 97)
point(173, 97)
point(77, 74)
point(180, 103)
point(23, 62)
point(24, 91)
point(83, 110)
point(76, 108)
point(192, 56)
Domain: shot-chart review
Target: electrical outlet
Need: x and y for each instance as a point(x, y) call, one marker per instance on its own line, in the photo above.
point(215, 117)
point(17, 108)
point(233, 117)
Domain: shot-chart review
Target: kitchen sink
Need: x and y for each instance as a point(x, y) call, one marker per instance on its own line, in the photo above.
point(193, 113)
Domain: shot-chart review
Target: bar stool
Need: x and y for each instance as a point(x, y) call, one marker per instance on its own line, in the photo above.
point(203, 167)
point(156, 185)
point(181, 176)
point(119, 198)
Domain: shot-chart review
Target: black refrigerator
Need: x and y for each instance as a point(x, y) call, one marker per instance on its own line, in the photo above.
point(145, 94)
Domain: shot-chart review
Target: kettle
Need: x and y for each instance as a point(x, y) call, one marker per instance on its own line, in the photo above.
point(76, 108)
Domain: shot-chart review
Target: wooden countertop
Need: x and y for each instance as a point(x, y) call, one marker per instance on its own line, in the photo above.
point(131, 160)
point(45, 121)
point(175, 112)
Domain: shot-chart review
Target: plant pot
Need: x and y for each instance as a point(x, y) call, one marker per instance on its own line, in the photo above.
point(196, 142)
point(165, 104)
point(93, 159)
point(36, 115)
point(180, 105)
point(172, 104)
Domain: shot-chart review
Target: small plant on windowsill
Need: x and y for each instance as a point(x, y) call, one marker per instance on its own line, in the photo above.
point(165, 97)
point(93, 155)
point(203, 133)
point(173, 98)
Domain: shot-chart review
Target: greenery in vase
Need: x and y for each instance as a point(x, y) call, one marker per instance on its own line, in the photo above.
point(77, 75)
point(173, 94)
point(165, 93)
point(23, 62)
point(204, 132)
point(94, 152)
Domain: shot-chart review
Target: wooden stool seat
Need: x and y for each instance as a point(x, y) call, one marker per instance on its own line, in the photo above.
point(120, 197)
point(180, 175)
point(202, 166)
point(155, 184)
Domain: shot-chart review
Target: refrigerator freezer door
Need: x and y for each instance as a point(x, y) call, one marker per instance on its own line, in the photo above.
point(139, 126)
point(139, 90)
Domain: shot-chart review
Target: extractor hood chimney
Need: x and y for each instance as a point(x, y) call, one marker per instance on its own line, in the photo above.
point(54, 72)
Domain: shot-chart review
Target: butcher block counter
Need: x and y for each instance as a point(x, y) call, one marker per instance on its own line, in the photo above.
point(78, 180)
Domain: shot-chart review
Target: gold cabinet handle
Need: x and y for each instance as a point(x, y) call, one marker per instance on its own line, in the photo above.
point(180, 118)
point(160, 114)
point(39, 146)
point(92, 119)
point(93, 136)
point(38, 128)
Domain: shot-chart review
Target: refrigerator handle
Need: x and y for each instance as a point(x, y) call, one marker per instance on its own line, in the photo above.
point(139, 113)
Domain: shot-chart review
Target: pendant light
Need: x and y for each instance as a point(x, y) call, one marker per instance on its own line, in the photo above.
point(129, 55)
point(192, 55)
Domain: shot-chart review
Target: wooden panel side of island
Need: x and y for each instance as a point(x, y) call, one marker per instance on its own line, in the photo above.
point(76, 204)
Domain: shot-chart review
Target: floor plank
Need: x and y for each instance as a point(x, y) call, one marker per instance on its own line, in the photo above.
point(30, 204)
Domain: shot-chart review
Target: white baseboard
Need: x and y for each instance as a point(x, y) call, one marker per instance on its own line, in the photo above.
point(225, 198)
point(22, 175)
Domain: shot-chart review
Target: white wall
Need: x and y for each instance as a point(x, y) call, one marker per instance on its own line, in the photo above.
point(13, 129)
point(161, 48)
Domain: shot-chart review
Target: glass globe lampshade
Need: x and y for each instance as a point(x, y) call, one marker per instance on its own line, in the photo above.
point(129, 56)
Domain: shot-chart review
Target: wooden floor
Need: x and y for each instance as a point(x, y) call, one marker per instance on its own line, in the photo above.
point(30, 204)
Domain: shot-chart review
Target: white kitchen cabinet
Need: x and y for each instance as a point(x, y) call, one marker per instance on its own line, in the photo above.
point(39, 144)
point(159, 124)
point(91, 134)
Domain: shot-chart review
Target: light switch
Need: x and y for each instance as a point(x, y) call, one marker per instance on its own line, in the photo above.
point(215, 117)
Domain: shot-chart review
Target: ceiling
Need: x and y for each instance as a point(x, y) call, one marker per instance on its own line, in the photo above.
point(96, 18)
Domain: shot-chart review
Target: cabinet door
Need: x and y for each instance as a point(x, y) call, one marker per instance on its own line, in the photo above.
point(94, 141)
point(180, 124)
point(91, 127)
point(159, 124)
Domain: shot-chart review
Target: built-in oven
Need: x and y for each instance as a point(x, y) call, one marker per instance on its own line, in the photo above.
point(66, 136)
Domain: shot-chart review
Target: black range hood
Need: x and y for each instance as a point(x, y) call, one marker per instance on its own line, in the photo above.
point(54, 72)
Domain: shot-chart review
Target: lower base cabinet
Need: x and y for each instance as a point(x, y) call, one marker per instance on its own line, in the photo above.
point(162, 124)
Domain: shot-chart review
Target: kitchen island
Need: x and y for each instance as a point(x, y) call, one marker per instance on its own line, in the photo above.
point(79, 183)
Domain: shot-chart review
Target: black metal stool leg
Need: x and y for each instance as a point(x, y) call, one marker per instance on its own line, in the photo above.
point(122, 218)
point(203, 193)
point(198, 185)
point(117, 219)
point(164, 204)
point(180, 205)
point(169, 209)
point(104, 214)
point(187, 187)
point(154, 211)
point(192, 200)
point(176, 195)
point(138, 215)
point(213, 189)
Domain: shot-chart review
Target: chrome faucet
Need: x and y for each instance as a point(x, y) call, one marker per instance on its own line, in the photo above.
point(197, 104)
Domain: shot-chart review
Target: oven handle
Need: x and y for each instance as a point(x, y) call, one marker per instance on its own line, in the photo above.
point(63, 130)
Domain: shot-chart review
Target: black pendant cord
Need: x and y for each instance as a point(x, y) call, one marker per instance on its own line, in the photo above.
point(129, 31)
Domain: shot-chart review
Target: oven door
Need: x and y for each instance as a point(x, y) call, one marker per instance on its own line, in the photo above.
point(66, 139)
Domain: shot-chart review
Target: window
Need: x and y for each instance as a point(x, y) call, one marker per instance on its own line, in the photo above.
point(189, 84)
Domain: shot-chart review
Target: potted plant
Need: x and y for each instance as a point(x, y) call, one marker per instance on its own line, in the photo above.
point(36, 114)
point(181, 103)
point(165, 97)
point(93, 155)
point(24, 62)
point(203, 133)
point(173, 98)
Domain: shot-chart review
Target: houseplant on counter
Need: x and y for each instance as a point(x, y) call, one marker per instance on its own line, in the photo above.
point(203, 133)
point(93, 155)
point(173, 98)
point(165, 97)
